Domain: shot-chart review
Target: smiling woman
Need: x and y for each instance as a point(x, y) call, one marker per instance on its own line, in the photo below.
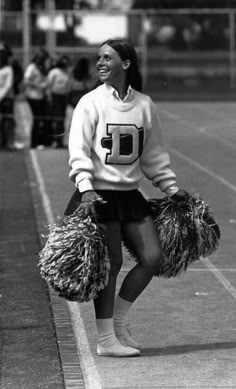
point(115, 138)
point(117, 65)
point(112, 69)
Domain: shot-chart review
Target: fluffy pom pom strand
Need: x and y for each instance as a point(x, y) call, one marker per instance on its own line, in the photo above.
point(74, 260)
point(187, 231)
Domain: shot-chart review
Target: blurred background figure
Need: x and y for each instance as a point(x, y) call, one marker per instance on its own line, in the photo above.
point(35, 85)
point(81, 81)
point(59, 84)
point(19, 140)
point(7, 122)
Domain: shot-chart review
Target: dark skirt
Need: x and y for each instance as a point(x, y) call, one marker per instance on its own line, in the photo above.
point(120, 205)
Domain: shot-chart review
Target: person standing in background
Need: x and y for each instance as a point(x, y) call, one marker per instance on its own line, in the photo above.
point(59, 83)
point(81, 81)
point(18, 119)
point(35, 84)
point(7, 123)
point(80, 84)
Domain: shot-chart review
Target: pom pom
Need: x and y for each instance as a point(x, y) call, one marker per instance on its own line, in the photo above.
point(75, 261)
point(187, 231)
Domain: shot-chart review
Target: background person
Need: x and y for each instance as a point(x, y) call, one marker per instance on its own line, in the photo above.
point(59, 84)
point(19, 119)
point(80, 84)
point(7, 123)
point(35, 86)
point(80, 81)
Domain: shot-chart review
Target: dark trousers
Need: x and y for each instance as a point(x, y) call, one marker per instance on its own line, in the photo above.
point(40, 131)
point(7, 122)
point(58, 112)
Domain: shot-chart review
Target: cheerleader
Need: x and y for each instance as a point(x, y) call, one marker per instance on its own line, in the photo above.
point(115, 139)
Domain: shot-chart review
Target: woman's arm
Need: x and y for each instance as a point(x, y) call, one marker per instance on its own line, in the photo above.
point(6, 81)
point(82, 129)
point(155, 160)
point(33, 78)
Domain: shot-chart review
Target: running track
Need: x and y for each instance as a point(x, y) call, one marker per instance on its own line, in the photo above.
point(187, 325)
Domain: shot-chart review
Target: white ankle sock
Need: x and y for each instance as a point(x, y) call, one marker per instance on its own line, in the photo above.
point(105, 330)
point(121, 309)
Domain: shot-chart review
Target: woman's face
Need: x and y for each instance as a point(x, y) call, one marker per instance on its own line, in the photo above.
point(111, 68)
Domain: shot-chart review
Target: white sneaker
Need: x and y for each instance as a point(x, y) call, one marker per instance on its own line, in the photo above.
point(123, 334)
point(117, 350)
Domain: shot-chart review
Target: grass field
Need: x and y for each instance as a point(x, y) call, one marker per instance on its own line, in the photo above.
point(187, 325)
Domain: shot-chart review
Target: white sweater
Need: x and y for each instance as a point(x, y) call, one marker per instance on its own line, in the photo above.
point(58, 81)
point(112, 142)
point(35, 82)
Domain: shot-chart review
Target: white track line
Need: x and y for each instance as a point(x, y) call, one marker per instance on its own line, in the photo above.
point(206, 261)
point(125, 269)
point(201, 130)
point(228, 286)
point(90, 373)
point(45, 198)
point(204, 169)
point(88, 366)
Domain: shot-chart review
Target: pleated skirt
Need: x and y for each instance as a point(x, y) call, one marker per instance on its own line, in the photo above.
point(121, 206)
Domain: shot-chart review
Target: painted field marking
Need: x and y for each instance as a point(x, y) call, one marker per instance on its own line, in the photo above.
point(87, 365)
point(206, 261)
point(90, 373)
point(216, 112)
point(45, 198)
point(125, 269)
point(204, 169)
point(223, 280)
point(201, 130)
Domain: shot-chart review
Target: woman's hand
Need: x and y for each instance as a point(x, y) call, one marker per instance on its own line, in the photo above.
point(88, 201)
point(180, 195)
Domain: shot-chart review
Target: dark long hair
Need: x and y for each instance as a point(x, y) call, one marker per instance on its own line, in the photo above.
point(40, 58)
point(127, 51)
point(81, 70)
point(63, 62)
point(4, 59)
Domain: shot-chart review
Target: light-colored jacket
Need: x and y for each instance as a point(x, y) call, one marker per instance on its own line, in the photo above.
point(35, 82)
point(59, 81)
point(6, 82)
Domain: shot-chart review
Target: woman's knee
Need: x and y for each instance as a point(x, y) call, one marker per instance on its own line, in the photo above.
point(152, 261)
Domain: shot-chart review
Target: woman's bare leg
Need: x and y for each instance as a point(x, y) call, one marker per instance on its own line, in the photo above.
point(144, 241)
point(104, 303)
point(108, 344)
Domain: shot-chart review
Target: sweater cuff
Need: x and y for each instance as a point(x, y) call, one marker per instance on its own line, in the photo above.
point(164, 184)
point(171, 190)
point(84, 185)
